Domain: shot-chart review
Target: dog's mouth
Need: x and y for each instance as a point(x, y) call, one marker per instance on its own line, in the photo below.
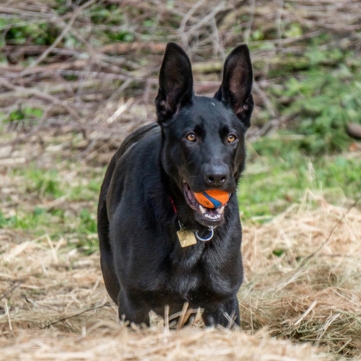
point(208, 217)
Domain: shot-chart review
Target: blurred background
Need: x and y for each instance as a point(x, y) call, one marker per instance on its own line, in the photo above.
point(77, 76)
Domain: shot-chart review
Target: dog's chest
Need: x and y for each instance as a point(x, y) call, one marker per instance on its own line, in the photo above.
point(193, 276)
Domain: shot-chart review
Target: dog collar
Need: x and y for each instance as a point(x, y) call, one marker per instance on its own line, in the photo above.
point(187, 237)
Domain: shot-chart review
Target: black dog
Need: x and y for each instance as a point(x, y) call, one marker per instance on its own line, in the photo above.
point(158, 245)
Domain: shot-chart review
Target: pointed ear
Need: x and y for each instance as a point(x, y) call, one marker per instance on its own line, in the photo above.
point(236, 87)
point(175, 82)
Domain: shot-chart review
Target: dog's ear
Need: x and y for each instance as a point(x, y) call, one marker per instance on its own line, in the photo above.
point(175, 82)
point(236, 87)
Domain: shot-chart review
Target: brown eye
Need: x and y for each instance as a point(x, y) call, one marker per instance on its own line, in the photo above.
point(231, 138)
point(191, 137)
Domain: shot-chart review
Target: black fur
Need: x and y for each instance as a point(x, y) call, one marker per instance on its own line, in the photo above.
point(197, 144)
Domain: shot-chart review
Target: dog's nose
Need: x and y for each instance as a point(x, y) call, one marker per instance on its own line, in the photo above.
point(216, 176)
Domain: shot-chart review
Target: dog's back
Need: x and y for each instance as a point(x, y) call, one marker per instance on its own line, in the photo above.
point(113, 286)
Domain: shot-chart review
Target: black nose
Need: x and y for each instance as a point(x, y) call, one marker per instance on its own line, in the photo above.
point(216, 176)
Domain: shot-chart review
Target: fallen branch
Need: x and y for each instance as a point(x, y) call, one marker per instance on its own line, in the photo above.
point(29, 92)
point(107, 304)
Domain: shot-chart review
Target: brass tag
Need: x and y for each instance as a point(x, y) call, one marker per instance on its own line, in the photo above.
point(186, 237)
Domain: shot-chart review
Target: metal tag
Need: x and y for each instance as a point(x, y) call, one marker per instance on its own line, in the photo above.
point(186, 238)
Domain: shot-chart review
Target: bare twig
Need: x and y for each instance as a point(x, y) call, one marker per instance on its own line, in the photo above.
point(296, 273)
point(107, 304)
point(63, 33)
point(26, 92)
point(313, 254)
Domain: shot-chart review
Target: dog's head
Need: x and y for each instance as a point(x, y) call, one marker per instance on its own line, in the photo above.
point(203, 138)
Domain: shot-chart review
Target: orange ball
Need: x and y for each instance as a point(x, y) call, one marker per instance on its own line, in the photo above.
point(213, 198)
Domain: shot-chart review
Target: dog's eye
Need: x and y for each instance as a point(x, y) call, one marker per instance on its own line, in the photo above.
point(231, 138)
point(191, 137)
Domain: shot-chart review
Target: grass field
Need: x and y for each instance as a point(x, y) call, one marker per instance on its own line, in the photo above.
point(77, 76)
point(301, 299)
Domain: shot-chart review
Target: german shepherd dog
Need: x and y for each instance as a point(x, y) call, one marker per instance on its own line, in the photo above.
point(158, 245)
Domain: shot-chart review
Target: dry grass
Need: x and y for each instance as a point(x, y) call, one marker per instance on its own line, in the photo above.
point(311, 292)
point(301, 299)
point(187, 344)
point(54, 305)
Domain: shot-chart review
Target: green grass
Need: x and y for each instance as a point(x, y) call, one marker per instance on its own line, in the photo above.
point(59, 201)
point(326, 100)
point(319, 94)
point(278, 174)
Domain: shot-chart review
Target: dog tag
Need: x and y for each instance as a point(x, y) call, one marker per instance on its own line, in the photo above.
point(186, 238)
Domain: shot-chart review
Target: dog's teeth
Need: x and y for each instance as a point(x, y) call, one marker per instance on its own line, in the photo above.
point(202, 209)
point(212, 217)
point(220, 210)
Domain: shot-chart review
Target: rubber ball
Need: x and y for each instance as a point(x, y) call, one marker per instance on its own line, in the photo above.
point(213, 198)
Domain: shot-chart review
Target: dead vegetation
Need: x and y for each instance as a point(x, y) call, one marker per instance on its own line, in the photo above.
point(54, 305)
point(301, 299)
point(78, 67)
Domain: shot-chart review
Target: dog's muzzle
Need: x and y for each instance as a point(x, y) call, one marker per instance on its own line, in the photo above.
point(208, 217)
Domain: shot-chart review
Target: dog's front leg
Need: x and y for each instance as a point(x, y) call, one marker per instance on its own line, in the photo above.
point(225, 314)
point(131, 309)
